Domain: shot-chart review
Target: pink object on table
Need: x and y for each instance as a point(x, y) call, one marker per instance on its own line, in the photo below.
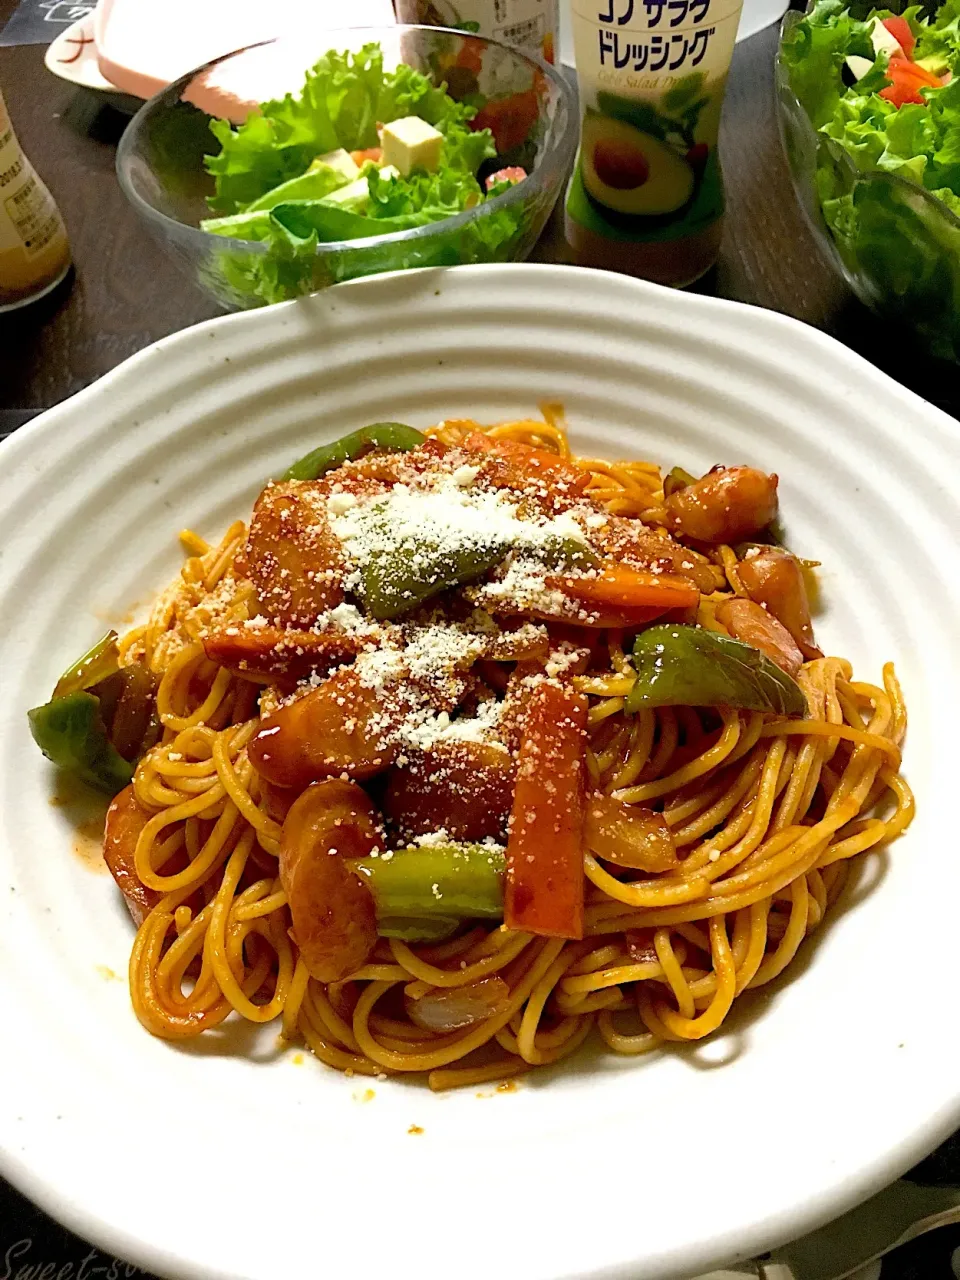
point(141, 47)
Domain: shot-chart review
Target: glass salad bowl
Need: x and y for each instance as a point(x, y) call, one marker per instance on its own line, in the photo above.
point(900, 249)
point(296, 247)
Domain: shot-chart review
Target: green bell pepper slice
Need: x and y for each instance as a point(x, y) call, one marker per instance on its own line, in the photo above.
point(398, 579)
point(418, 928)
point(392, 437)
point(690, 666)
point(101, 718)
point(676, 479)
point(423, 893)
point(561, 555)
point(100, 661)
point(69, 730)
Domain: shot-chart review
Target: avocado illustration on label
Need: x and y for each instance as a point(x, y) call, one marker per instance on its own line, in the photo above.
point(630, 171)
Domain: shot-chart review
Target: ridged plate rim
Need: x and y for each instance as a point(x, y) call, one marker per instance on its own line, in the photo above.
point(757, 348)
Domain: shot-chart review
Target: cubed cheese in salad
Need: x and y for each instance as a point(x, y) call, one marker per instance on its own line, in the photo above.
point(411, 143)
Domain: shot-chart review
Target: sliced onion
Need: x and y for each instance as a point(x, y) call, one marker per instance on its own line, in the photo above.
point(453, 1008)
point(628, 835)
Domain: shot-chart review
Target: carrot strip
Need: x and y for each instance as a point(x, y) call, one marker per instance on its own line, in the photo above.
point(618, 619)
point(270, 651)
point(539, 464)
point(617, 586)
point(544, 885)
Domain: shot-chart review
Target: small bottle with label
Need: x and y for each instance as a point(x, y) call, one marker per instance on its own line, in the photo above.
point(505, 90)
point(530, 25)
point(34, 251)
point(646, 196)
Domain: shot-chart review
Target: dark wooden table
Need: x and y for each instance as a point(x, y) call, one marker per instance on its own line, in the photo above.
point(126, 294)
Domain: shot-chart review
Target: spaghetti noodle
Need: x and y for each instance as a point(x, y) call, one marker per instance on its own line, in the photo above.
point(765, 813)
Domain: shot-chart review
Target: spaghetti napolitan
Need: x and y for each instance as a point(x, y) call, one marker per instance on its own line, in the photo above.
point(467, 748)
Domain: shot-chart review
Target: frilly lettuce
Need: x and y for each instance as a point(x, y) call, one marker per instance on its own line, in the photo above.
point(265, 193)
point(814, 52)
point(884, 230)
point(343, 99)
point(940, 39)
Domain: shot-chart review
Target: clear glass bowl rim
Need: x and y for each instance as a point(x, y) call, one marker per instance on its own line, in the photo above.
point(556, 158)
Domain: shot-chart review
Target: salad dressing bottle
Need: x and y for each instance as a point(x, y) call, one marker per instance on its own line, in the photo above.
point(646, 196)
point(34, 252)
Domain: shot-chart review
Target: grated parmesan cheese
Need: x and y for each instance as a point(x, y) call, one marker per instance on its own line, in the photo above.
point(435, 512)
point(464, 476)
point(340, 502)
point(443, 513)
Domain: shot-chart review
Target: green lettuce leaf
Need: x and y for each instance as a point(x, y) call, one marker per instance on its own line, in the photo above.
point(240, 226)
point(938, 41)
point(859, 120)
point(814, 52)
point(319, 181)
point(254, 222)
point(464, 150)
point(343, 99)
point(266, 195)
point(328, 222)
point(907, 250)
point(407, 92)
point(874, 162)
point(337, 107)
point(440, 195)
point(920, 143)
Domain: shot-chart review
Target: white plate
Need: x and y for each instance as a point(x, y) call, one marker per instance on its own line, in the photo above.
point(226, 1158)
point(142, 49)
point(73, 56)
